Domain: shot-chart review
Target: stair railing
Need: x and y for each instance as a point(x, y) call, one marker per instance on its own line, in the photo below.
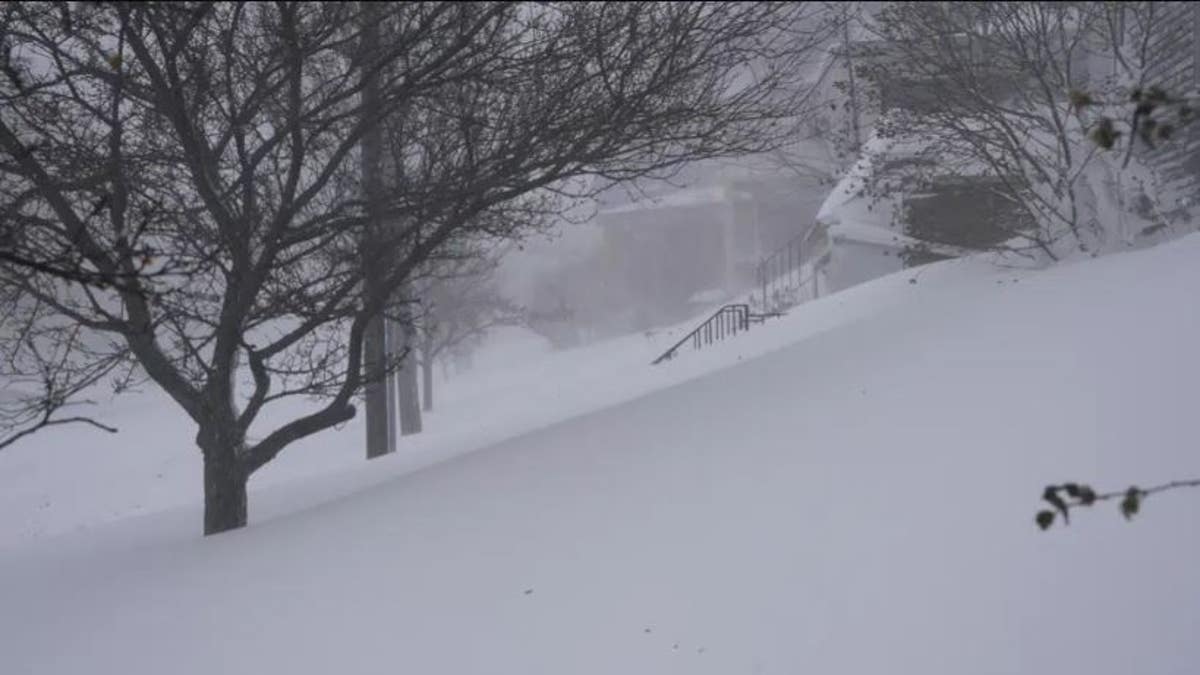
point(724, 323)
point(782, 270)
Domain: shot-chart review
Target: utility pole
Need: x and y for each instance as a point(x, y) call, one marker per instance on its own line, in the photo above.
point(853, 89)
point(380, 439)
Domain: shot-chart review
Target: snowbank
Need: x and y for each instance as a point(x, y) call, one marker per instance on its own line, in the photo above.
point(848, 489)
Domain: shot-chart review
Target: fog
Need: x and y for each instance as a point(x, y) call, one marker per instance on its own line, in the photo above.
point(658, 253)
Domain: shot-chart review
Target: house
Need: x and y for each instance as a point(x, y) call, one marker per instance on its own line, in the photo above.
point(667, 250)
point(865, 229)
point(902, 201)
point(667, 257)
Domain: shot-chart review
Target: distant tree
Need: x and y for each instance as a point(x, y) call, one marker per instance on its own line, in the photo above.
point(832, 135)
point(458, 309)
point(219, 144)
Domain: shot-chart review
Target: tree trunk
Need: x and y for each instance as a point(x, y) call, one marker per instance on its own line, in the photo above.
point(224, 492)
point(374, 362)
point(392, 339)
point(409, 394)
point(427, 373)
point(375, 394)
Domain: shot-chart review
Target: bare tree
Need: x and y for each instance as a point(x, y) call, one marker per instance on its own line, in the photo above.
point(222, 140)
point(991, 89)
point(460, 306)
point(377, 392)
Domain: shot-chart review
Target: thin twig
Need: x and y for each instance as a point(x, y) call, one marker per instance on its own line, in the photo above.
point(44, 423)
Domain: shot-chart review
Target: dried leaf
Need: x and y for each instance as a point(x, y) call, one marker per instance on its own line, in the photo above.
point(1105, 135)
point(1131, 503)
point(1051, 495)
point(1044, 519)
point(1087, 496)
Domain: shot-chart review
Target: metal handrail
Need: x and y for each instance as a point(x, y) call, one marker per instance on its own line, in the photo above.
point(784, 266)
point(787, 262)
point(725, 322)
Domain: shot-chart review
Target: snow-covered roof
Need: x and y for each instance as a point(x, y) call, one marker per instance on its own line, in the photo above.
point(869, 234)
point(847, 203)
point(880, 236)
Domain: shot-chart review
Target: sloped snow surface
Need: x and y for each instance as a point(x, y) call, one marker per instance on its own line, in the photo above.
point(847, 489)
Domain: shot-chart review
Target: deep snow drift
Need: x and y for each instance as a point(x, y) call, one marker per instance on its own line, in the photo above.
point(848, 489)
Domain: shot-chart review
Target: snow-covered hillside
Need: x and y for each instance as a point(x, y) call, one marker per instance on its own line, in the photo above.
point(848, 489)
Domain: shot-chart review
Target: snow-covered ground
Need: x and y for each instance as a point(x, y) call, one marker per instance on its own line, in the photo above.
point(847, 489)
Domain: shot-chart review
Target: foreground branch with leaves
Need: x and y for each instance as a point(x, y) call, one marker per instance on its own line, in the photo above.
point(1067, 496)
point(1154, 117)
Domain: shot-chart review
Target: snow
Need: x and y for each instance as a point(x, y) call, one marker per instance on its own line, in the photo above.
point(847, 201)
point(881, 236)
point(847, 489)
point(709, 296)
